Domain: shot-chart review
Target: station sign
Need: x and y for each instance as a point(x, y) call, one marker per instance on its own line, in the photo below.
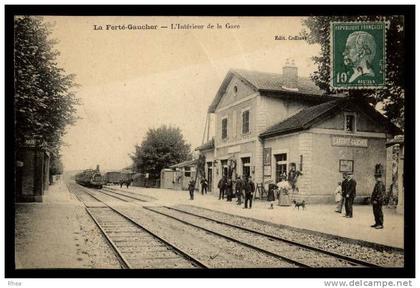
point(349, 141)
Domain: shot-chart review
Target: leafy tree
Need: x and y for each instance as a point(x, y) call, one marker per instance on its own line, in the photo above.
point(44, 102)
point(161, 148)
point(56, 166)
point(392, 97)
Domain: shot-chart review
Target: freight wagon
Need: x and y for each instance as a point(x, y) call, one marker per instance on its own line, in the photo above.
point(113, 177)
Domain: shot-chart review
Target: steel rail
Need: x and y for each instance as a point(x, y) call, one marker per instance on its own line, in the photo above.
point(122, 194)
point(195, 261)
point(119, 253)
point(124, 263)
point(340, 256)
point(278, 256)
point(119, 198)
point(129, 192)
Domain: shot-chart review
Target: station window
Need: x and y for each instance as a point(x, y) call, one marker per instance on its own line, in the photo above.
point(224, 128)
point(187, 171)
point(281, 166)
point(246, 166)
point(235, 89)
point(245, 122)
point(224, 164)
point(350, 123)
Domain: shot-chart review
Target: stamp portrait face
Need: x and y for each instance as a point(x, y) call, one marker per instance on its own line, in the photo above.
point(358, 52)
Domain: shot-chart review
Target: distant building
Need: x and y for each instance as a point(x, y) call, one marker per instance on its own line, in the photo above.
point(264, 122)
point(179, 175)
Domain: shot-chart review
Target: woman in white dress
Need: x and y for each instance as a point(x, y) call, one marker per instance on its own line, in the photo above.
point(283, 195)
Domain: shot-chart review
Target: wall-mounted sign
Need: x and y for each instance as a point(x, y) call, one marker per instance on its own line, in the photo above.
point(346, 166)
point(234, 149)
point(349, 141)
point(267, 170)
point(267, 156)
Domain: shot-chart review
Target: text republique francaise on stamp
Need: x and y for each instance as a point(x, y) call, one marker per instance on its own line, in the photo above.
point(358, 55)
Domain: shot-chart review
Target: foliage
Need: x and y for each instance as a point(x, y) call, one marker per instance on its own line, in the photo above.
point(44, 102)
point(56, 166)
point(161, 148)
point(392, 96)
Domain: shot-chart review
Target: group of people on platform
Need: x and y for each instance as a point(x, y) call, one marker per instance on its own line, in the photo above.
point(346, 192)
point(282, 189)
point(204, 187)
point(239, 188)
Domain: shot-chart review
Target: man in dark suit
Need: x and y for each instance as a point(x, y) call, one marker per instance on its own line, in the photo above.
point(238, 190)
point(252, 184)
point(343, 194)
point(377, 200)
point(350, 194)
point(229, 190)
point(191, 188)
point(248, 193)
point(222, 186)
point(204, 185)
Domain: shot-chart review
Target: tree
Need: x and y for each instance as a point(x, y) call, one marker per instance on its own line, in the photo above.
point(161, 148)
point(392, 96)
point(56, 166)
point(44, 101)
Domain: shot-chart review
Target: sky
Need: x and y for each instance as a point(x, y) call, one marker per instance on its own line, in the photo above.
point(133, 80)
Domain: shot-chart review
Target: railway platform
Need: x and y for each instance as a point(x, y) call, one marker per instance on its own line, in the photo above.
point(319, 217)
point(58, 233)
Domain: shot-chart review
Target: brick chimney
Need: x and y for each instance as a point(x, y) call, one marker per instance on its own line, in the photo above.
point(97, 168)
point(290, 74)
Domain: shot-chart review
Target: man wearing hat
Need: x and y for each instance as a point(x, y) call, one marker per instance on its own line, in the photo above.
point(377, 199)
point(350, 194)
point(343, 193)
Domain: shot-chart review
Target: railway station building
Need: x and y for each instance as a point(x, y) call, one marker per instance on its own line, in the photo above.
point(32, 171)
point(265, 123)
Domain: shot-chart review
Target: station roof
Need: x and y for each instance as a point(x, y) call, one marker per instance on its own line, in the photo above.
point(273, 84)
point(185, 164)
point(307, 117)
point(397, 140)
point(206, 146)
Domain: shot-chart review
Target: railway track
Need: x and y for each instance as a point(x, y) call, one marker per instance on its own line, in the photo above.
point(135, 246)
point(121, 196)
point(226, 254)
point(295, 252)
point(129, 194)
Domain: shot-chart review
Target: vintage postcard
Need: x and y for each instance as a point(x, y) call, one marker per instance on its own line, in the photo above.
point(197, 143)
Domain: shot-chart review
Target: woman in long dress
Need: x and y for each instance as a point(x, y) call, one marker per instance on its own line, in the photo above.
point(284, 188)
point(270, 195)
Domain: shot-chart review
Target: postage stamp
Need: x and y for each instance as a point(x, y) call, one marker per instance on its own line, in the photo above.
point(358, 55)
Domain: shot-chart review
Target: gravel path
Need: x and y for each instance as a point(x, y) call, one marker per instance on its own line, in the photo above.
point(380, 256)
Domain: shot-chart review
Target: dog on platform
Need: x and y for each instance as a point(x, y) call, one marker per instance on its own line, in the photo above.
point(299, 204)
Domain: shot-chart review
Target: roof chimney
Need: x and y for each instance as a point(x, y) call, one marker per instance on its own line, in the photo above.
point(290, 74)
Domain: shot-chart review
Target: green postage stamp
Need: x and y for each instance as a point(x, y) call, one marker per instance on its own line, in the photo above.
point(358, 52)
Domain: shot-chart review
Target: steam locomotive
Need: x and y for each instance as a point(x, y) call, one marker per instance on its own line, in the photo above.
point(90, 178)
